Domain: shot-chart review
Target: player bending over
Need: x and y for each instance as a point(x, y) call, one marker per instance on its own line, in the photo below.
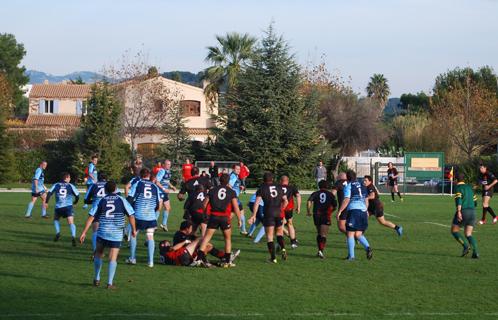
point(110, 212)
point(465, 216)
point(219, 204)
point(275, 201)
point(488, 180)
point(144, 196)
point(376, 207)
point(291, 192)
point(66, 195)
point(324, 203)
point(355, 203)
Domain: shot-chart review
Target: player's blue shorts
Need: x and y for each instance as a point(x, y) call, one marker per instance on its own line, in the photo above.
point(108, 243)
point(165, 196)
point(63, 212)
point(37, 194)
point(356, 220)
point(144, 225)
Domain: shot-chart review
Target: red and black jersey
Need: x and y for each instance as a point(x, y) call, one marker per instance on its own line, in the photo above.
point(323, 202)
point(220, 201)
point(391, 173)
point(195, 202)
point(374, 204)
point(179, 237)
point(272, 196)
point(339, 186)
point(290, 192)
point(486, 178)
point(188, 187)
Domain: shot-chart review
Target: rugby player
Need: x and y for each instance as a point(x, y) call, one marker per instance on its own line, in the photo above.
point(465, 216)
point(236, 184)
point(259, 219)
point(392, 181)
point(338, 189)
point(291, 192)
point(275, 201)
point(488, 180)
point(38, 190)
point(110, 212)
point(91, 174)
point(220, 203)
point(93, 196)
point(163, 181)
point(324, 203)
point(376, 207)
point(355, 203)
point(66, 195)
point(194, 209)
point(188, 188)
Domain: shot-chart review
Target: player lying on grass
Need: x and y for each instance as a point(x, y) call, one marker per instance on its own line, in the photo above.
point(355, 203)
point(38, 190)
point(465, 216)
point(259, 219)
point(220, 203)
point(110, 212)
point(145, 198)
point(291, 192)
point(66, 195)
point(324, 203)
point(376, 207)
point(275, 201)
point(488, 180)
point(93, 196)
point(183, 251)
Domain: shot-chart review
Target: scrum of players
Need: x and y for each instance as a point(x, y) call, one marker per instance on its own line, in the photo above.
point(211, 204)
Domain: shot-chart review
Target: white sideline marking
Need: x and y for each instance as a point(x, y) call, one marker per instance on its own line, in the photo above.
point(438, 224)
point(390, 215)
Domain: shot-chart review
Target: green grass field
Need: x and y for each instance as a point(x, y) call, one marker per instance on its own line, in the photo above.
point(419, 275)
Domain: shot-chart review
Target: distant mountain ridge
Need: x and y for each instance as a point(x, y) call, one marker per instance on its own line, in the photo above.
point(35, 77)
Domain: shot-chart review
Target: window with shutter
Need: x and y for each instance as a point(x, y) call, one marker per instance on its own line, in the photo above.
point(191, 108)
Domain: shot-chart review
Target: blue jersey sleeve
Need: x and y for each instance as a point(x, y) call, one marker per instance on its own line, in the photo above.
point(133, 190)
point(52, 190)
point(38, 174)
point(233, 180)
point(158, 195)
point(347, 191)
point(95, 209)
point(160, 175)
point(74, 190)
point(128, 208)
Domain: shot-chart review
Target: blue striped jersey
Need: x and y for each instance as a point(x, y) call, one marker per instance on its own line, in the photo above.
point(110, 212)
point(64, 194)
point(234, 183)
point(164, 177)
point(146, 197)
point(40, 176)
point(356, 193)
point(96, 192)
point(134, 180)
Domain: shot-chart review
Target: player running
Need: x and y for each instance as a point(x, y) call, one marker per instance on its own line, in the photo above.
point(163, 181)
point(145, 198)
point(376, 207)
point(488, 180)
point(324, 203)
point(341, 182)
point(220, 203)
point(91, 174)
point(259, 219)
point(38, 190)
point(465, 216)
point(291, 192)
point(392, 181)
point(356, 203)
point(275, 200)
point(110, 212)
point(237, 186)
point(66, 195)
point(94, 194)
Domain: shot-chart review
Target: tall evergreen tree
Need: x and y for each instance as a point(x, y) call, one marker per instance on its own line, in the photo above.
point(102, 131)
point(177, 145)
point(11, 55)
point(7, 159)
point(269, 123)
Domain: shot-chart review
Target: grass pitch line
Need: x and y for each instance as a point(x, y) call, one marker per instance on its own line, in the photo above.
point(438, 224)
point(391, 215)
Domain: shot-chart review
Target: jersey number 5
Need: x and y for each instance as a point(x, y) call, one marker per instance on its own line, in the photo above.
point(273, 191)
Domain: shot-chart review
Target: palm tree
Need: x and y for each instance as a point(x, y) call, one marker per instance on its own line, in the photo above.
point(378, 89)
point(227, 58)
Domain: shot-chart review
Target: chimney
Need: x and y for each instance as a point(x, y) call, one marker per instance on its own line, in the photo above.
point(45, 81)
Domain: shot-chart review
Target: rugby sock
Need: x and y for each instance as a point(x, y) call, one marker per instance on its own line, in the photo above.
point(44, 211)
point(112, 271)
point(57, 226)
point(473, 244)
point(458, 237)
point(133, 247)
point(260, 235)
point(150, 250)
point(323, 243)
point(201, 255)
point(318, 241)
point(484, 210)
point(392, 195)
point(351, 244)
point(490, 210)
point(217, 253)
point(72, 226)
point(281, 242)
point(29, 209)
point(252, 228)
point(165, 217)
point(243, 223)
point(364, 242)
point(227, 256)
point(128, 231)
point(271, 249)
point(158, 213)
point(94, 240)
point(97, 264)
point(399, 195)
point(396, 227)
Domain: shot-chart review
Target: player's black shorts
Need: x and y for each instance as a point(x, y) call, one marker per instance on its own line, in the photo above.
point(357, 220)
point(272, 221)
point(108, 243)
point(197, 218)
point(393, 183)
point(220, 222)
point(321, 219)
point(164, 196)
point(63, 212)
point(289, 214)
point(37, 194)
point(487, 193)
point(343, 216)
point(375, 211)
point(144, 225)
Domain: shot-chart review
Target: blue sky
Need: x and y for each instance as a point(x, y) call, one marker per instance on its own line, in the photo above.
point(409, 41)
